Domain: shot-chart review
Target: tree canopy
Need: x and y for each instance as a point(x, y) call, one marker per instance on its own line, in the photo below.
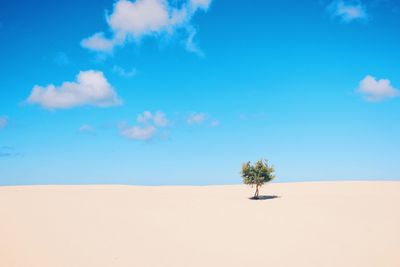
point(258, 174)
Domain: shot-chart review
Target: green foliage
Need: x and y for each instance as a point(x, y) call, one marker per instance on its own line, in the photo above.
point(258, 174)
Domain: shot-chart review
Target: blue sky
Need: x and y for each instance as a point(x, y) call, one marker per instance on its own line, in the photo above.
point(182, 92)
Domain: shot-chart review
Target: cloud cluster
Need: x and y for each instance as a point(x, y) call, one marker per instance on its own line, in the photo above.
point(147, 127)
point(90, 88)
point(3, 121)
point(159, 119)
point(348, 11)
point(377, 90)
point(133, 20)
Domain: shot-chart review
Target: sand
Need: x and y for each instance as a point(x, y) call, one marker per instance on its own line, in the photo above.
point(309, 224)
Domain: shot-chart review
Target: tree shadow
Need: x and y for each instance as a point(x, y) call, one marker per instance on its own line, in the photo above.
point(265, 197)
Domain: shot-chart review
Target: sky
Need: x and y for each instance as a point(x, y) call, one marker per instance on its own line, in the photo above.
point(154, 92)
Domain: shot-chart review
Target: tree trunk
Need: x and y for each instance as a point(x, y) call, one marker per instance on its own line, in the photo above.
point(256, 193)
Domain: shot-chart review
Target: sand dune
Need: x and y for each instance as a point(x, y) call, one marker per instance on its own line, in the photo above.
point(309, 224)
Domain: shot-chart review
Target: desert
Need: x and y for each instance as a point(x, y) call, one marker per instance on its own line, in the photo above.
point(293, 224)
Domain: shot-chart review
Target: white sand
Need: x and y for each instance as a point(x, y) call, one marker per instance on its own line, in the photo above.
point(311, 224)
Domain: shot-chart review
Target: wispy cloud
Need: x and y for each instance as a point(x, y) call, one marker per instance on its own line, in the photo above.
point(190, 43)
point(348, 11)
point(134, 20)
point(147, 127)
point(253, 116)
point(139, 132)
point(124, 73)
point(214, 123)
point(377, 90)
point(87, 129)
point(3, 121)
point(201, 118)
point(90, 88)
point(196, 118)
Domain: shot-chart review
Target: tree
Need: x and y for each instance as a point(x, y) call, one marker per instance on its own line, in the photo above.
point(258, 174)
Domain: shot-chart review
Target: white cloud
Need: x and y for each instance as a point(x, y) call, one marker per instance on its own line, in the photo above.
point(140, 17)
point(214, 123)
point(145, 117)
point(159, 119)
point(377, 90)
point(348, 11)
point(139, 132)
point(87, 128)
point(190, 44)
point(147, 128)
point(196, 118)
point(135, 20)
point(3, 121)
point(98, 42)
point(124, 73)
point(90, 88)
point(204, 4)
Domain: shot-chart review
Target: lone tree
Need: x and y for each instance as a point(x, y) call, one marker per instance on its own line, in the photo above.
point(257, 174)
